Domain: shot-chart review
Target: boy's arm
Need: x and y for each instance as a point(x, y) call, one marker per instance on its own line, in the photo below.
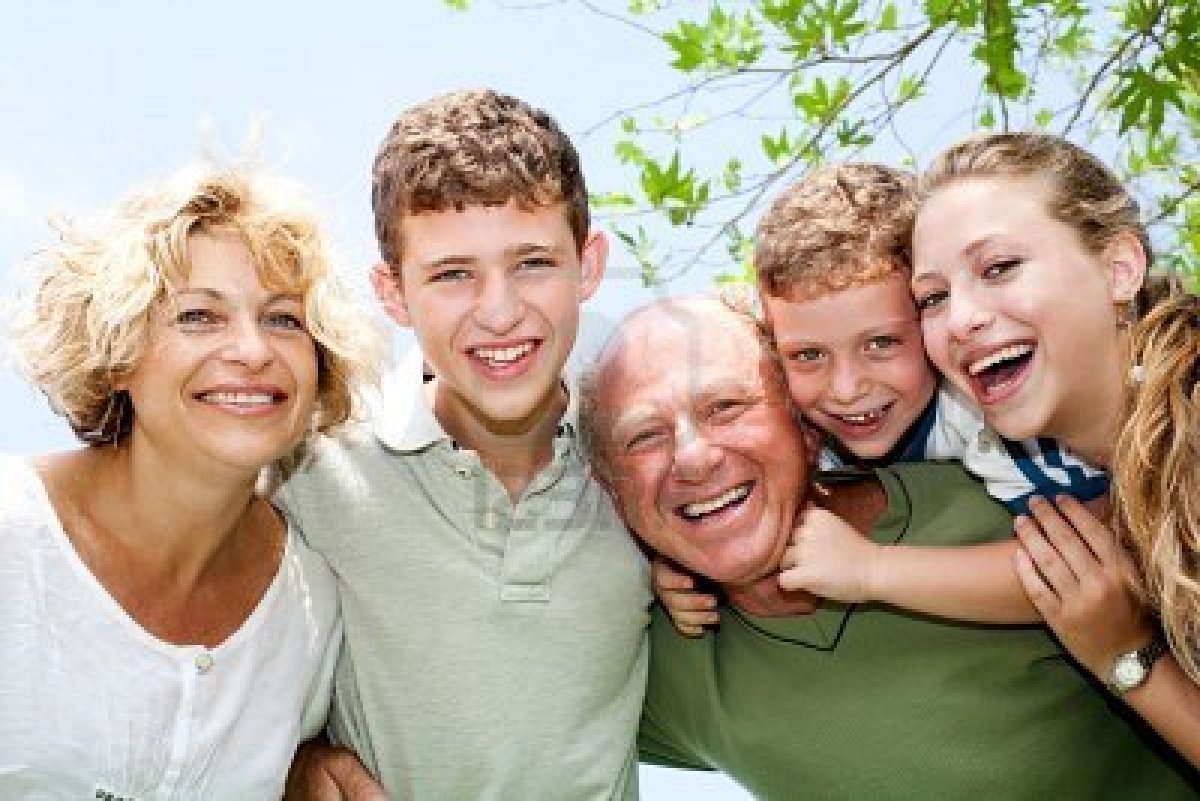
point(977, 583)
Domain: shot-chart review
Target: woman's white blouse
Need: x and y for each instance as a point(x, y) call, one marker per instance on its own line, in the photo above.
point(92, 706)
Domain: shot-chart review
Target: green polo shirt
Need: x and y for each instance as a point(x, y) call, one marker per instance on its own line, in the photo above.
point(494, 649)
point(870, 702)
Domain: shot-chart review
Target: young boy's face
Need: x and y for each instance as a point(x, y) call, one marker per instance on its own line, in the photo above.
point(493, 295)
point(855, 362)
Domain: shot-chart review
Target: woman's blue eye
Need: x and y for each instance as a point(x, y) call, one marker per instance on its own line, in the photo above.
point(196, 317)
point(285, 320)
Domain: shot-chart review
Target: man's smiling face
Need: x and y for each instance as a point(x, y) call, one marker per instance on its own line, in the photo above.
point(698, 441)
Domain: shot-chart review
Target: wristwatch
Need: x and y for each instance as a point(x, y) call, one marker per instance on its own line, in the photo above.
point(1131, 669)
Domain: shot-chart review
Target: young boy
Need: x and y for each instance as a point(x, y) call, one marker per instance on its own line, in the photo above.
point(833, 278)
point(494, 607)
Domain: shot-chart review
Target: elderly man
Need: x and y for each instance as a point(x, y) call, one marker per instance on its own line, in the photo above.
point(709, 468)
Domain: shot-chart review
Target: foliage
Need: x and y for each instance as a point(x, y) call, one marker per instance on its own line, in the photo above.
point(810, 81)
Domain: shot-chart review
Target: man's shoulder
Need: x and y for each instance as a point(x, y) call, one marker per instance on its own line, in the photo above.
point(941, 503)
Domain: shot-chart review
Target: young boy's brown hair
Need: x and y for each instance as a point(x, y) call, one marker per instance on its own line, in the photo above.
point(473, 148)
point(841, 225)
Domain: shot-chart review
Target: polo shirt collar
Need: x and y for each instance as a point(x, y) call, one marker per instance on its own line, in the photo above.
point(404, 418)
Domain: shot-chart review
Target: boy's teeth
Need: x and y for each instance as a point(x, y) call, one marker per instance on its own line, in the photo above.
point(865, 417)
point(724, 499)
point(238, 398)
point(1004, 354)
point(504, 354)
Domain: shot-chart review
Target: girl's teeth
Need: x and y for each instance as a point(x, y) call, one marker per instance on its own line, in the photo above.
point(1002, 355)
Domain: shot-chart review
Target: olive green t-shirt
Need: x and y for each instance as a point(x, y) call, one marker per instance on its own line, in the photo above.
point(870, 702)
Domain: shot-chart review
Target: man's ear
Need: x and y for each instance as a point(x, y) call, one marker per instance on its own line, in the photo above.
point(388, 289)
point(1125, 264)
point(593, 258)
point(812, 442)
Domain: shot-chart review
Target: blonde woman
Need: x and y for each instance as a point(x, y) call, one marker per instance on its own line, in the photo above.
point(164, 634)
point(1029, 265)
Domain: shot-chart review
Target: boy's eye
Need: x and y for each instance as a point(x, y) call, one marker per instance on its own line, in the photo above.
point(196, 318)
point(931, 300)
point(285, 321)
point(999, 268)
point(806, 355)
point(453, 274)
point(536, 263)
point(882, 342)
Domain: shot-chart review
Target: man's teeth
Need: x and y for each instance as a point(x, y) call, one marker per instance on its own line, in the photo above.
point(238, 398)
point(724, 499)
point(504, 354)
point(1002, 355)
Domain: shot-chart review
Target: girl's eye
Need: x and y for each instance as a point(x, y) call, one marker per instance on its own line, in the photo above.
point(999, 268)
point(285, 321)
point(196, 318)
point(931, 300)
point(882, 342)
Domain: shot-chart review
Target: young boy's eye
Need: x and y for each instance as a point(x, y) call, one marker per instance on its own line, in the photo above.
point(806, 356)
point(998, 268)
point(882, 342)
point(196, 319)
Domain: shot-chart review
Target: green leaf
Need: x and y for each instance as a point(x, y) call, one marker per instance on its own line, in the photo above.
point(457, 5)
point(988, 118)
point(888, 19)
point(1044, 118)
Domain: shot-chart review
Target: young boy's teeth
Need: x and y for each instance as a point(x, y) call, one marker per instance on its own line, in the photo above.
point(238, 398)
point(1002, 355)
point(859, 419)
point(724, 499)
point(504, 354)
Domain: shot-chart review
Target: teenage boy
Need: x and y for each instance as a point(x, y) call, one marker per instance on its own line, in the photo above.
point(833, 278)
point(494, 606)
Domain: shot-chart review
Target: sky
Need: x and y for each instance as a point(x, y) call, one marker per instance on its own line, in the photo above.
point(98, 97)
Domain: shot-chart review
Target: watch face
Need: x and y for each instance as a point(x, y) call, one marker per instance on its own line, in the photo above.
point(1127, 672)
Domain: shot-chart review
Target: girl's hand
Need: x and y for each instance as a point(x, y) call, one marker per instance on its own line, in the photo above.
point(1082, 582)
point(689, 609)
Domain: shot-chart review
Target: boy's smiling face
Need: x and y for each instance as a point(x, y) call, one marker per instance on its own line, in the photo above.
point(855, 361)
point(493, 295)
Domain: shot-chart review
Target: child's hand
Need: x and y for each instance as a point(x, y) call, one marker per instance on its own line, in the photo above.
point(1081, 580)
point(829, 558)
point(689, 609)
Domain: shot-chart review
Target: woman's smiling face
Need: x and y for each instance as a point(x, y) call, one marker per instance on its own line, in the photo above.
point(1015, 310)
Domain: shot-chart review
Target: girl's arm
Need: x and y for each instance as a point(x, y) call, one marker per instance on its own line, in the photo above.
point(977, 583)
point(1080, 579)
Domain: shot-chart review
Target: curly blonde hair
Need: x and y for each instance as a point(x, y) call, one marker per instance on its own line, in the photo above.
point(83, 325)
point(1156, 458)
point(839, 226)
point(1156, 479)
point(473, 148)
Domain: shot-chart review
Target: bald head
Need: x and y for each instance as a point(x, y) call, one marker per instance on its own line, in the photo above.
point(691, 430)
